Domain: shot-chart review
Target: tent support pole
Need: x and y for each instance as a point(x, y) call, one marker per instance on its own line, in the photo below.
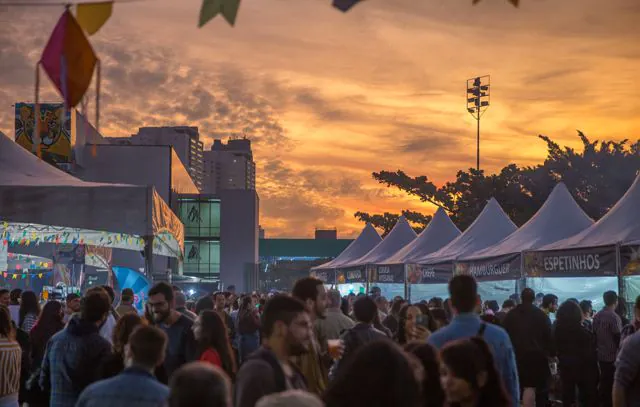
point(148, 257)
point(523, 278)
point(621, 290)
point(406, 283)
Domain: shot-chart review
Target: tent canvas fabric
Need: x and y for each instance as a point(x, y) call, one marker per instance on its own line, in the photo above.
point(621, 225)
point(490, 227)
point(558, 218)
point(32, 191)
point(367, 240)
point(401, 235)
point(439, 232)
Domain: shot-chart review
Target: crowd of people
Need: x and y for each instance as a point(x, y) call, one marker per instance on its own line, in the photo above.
point(313, 347)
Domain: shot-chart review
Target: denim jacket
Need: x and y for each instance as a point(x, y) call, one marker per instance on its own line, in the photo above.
point(134, 387)
point(466, 326)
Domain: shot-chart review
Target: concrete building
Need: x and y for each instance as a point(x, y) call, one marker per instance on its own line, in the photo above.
point(221, 237)
point(229, 166)
point(185, 141)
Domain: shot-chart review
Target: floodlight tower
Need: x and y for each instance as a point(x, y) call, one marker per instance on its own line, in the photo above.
point(478, 98)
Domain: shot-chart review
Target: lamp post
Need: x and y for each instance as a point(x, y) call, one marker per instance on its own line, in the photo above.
point(478, 98)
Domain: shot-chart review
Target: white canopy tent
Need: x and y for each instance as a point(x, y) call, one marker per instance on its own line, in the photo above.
point(558, 218)
point(401, 235)
point(37, 198)
point(602, 257)
point(439, 232)
point(620, 226)
point(491, 226)
point(367, 240)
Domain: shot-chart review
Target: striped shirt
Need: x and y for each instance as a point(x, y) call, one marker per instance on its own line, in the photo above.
point(10, 359)
point(29, 322)
point(607, 326)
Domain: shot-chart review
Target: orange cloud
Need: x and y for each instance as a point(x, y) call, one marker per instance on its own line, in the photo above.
point(328, 98)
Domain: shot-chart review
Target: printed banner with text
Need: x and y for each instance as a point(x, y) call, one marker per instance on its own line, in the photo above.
point(495, 269)
point(326, 276)
point(393, 274)
point(429, 274)
point(597, 261)
point(351, 275)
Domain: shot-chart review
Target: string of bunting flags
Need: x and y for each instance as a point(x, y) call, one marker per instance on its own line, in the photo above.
point(23, 276)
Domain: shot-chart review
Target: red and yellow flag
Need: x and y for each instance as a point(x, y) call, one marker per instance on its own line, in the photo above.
point(69, 60)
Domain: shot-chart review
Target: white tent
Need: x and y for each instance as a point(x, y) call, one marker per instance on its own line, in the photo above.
point(560, 217)
point(491, 226)
point(621, 225)
point(34, 192)
point(439, 232)
point(367, 240)
point(401, 235)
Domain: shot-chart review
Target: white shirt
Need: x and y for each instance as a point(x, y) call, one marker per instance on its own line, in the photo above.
point(107, 328)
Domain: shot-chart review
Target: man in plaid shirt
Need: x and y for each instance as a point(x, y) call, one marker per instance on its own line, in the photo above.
point(74, 354)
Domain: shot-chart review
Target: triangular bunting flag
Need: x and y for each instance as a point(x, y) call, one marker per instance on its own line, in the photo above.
point(345, 5)
point(211, 8)
point(92, 16)
point(69, 60)
point(516, 3)
point(229, 10)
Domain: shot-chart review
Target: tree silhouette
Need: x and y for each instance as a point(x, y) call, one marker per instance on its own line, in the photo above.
point(597, 177)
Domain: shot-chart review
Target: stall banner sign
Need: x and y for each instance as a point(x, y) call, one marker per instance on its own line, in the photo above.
point(429, 273)
point(591, 262)
point(494, 269)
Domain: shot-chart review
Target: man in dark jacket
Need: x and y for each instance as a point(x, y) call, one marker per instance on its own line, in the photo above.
point(286, 326)
point(530, 331)
point(364, 311)
point(73, 354)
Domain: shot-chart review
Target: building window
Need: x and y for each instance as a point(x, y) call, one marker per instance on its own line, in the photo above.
point(201, 218)
point(202, 258)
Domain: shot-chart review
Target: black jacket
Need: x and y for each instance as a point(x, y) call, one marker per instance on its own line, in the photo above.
point(530, 331)
point(354, 339)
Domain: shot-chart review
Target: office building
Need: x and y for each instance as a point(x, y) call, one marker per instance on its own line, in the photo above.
point(185, 141)
point(229, 166)
point(221, 237)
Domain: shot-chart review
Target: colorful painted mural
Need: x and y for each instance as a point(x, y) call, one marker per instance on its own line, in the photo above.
point(54, 129)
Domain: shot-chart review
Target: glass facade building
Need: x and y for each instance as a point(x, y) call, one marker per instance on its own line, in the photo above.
point(201, 219)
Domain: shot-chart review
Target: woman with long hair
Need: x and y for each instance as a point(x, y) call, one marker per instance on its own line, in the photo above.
point(380, 374)
point(248, 328)
point(49, 323)
point(212, 341)
point(432, 394)
point(121, 333)
point(10, 361)
point(29, 311)
point(578, 361)
point(469, 376)
point(414, 324)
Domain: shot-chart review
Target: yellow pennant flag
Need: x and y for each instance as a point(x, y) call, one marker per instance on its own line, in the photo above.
point(92, 16)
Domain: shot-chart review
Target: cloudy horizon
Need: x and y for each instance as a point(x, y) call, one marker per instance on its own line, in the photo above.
point(328, 98)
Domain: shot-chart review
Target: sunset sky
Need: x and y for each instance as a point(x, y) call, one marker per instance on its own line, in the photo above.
point(328, 98)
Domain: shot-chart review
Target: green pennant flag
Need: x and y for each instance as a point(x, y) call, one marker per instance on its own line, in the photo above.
point(230, 10)
point(211, 8)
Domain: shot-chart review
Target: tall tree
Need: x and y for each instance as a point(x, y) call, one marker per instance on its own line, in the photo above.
point(597, 177)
